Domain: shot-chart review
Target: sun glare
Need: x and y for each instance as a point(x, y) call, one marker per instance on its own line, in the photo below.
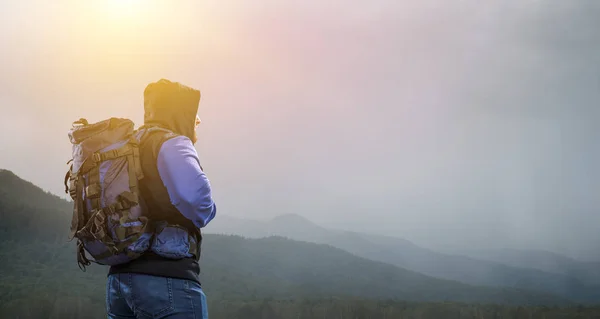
point(124, 8)
point(110, 38)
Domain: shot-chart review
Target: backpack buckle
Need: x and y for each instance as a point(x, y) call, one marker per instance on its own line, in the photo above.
point(96, 157)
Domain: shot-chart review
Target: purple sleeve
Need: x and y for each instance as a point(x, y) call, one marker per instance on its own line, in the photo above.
point(186, 183)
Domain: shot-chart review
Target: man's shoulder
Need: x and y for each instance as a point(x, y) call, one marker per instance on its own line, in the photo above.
point(177, 152)
point(178, 144)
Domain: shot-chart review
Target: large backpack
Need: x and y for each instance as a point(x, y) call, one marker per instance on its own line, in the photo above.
point(109, 219)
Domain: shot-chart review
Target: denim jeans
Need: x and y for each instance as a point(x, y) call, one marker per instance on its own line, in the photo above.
point(143, 296)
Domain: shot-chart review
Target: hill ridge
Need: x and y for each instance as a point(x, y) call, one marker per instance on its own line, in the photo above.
point(407, 255)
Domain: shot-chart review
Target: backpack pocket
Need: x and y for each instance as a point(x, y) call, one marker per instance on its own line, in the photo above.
point(172, 241)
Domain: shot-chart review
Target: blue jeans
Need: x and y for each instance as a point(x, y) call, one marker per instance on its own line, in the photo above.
point(143, 296)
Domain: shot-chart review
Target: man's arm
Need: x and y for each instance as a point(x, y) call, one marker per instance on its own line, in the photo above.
point(186, 183)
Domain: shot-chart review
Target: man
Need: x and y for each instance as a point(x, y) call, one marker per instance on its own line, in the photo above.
point(164, 282)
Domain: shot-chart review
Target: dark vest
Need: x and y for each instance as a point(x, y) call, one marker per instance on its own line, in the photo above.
point(157, 204)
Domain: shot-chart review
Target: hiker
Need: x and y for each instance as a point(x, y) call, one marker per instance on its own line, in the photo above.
point(164, 281)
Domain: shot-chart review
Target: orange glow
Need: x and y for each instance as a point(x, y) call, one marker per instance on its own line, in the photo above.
point(140, 40)
point(124, 8)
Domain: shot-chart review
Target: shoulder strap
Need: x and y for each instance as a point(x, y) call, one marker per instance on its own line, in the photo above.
point(168, 134)
point(156, 136)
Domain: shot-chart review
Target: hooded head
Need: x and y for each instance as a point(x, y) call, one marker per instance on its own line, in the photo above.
point(173, 106)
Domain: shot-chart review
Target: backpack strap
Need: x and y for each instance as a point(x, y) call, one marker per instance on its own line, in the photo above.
point(93, 190)
point(135, 168)
point(82, 260)
point(68, 176)
point(130, 148)
point(76, 188)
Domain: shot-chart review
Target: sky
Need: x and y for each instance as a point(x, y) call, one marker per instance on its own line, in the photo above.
point(455, 124)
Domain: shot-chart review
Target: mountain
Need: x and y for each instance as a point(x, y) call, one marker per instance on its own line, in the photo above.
point(587, 272)
point(405, 254)
point(42, 264)
point(19, 198)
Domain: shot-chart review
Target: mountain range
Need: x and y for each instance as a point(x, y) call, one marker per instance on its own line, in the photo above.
point(533, 271)
point(33, 236)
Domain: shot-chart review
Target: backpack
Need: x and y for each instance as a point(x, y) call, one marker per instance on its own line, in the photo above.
point(104, 182)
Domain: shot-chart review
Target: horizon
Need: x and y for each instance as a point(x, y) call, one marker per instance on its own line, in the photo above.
point(452, 125)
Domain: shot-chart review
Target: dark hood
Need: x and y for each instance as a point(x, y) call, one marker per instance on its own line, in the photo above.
point(171, 105)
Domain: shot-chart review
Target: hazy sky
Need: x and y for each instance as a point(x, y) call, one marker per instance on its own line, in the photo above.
point(455, 124)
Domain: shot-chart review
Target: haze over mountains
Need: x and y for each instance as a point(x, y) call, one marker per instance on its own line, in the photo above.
point(562, 276)
point(35, 225)
point(588, 272)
